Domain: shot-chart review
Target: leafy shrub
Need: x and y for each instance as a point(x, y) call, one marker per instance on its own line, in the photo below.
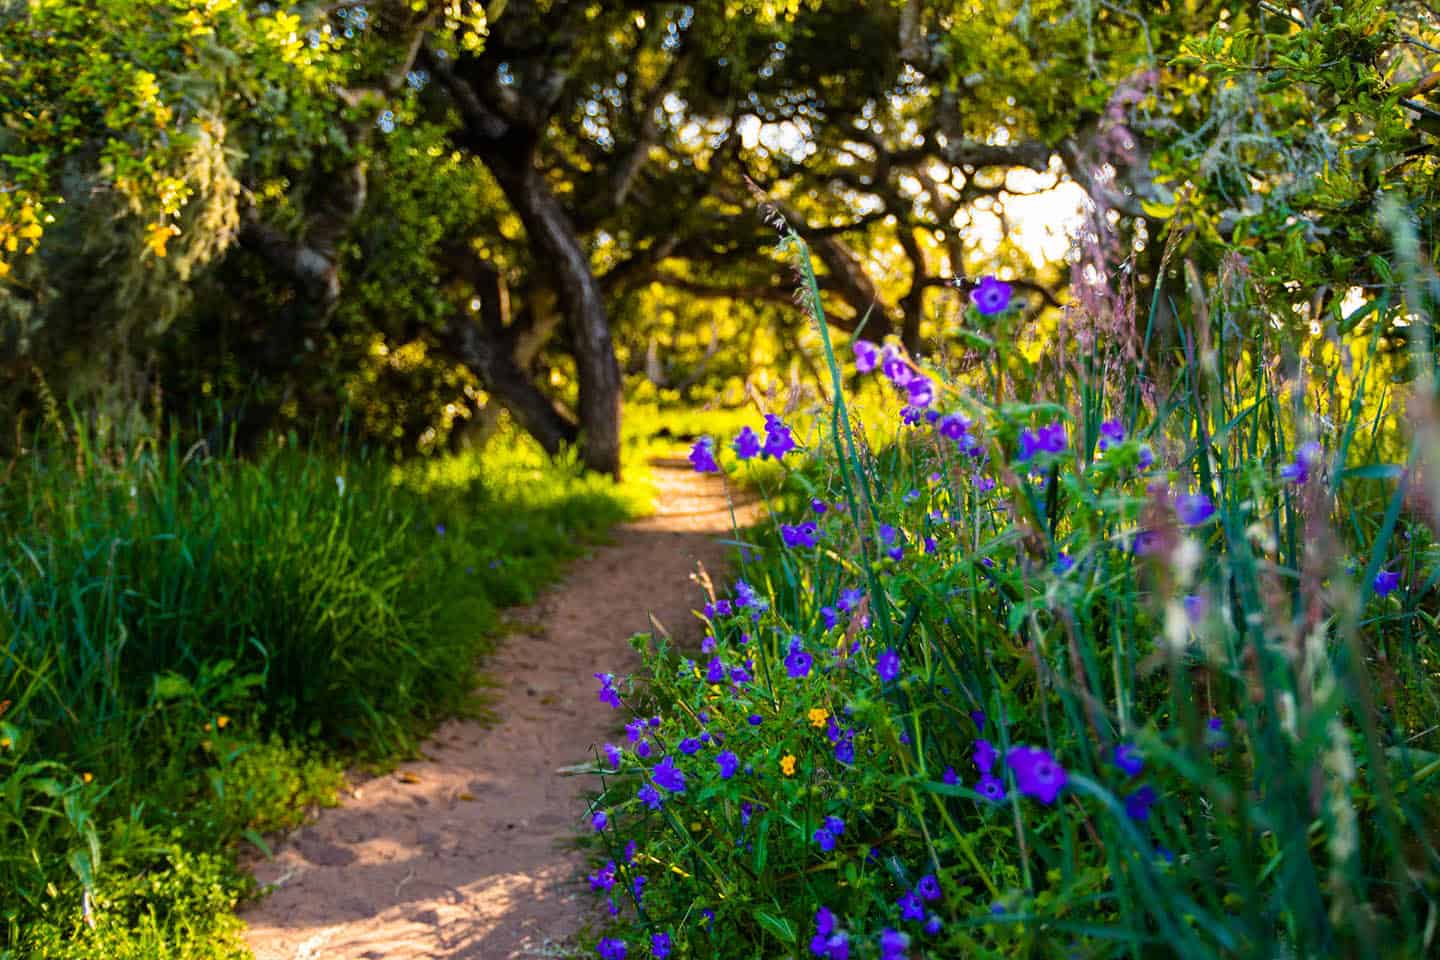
point(1085, 660)
point(181, 909)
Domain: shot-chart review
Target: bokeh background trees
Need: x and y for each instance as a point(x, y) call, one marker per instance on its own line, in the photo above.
point(414, 215)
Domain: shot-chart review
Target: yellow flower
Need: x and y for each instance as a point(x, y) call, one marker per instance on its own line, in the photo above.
point(787, 764)
point(87, 777)
point(818, 716)
point(222, 722)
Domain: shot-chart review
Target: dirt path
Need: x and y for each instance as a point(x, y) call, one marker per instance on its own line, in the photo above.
point(466, 854)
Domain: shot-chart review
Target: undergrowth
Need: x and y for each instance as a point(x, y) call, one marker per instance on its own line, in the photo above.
point(1075, 657)
point(195, 644)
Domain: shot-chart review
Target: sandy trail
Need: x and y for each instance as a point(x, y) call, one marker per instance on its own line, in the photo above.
point(466, 854)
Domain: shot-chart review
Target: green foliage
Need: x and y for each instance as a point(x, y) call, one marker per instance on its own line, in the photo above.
point(195, 642)
point(1287, 135)
point(1063, 597)
point(182, 907)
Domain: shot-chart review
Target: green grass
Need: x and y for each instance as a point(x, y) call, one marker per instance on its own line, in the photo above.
point(1302, 824)
point(195, 643)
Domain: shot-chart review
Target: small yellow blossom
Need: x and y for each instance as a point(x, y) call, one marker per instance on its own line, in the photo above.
point(787, 764)
point(818, 716)
point(222, 722)
point(87, 776)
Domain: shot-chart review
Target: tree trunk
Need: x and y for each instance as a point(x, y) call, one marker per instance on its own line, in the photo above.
point(558, 248)
point(500, 353)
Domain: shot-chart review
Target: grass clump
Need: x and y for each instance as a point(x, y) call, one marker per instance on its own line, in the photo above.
point(195, 643)
point(1084, 658)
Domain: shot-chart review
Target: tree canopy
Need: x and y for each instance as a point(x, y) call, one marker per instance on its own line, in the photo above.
point(414, 211)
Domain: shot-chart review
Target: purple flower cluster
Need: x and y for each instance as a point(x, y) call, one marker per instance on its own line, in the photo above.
point(829, 941)
point(988, 786)
point(779, 441)
point(800, 536)
point(1051, 438)
point(828, 833)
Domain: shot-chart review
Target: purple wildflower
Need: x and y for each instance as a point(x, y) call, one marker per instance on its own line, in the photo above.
point(934, 925)
point(850, 599)
point(991, 788)
point(818, 505)
point(1037, 774)
point(845, 749)
point(689, 746)
point(928, 888)
point(1112, 432)
point(728, 764)
point(797, 661)
point(649, 796)
point(1128, 759)
point(1029, 445)
point(611, 948)
point(1064, 563)
point(991, 296)
point(799, 536)
point(642, 749)
point(1146, 542)
point(887, 665)
point(893, 944)
point(921, 391)
point(715, 671)
point(747, 597)
point(867, 354)
point(660, 945)
point(1194, 607)
point(598, 820)
point(985, 755)
point(1138, 804)
point(950, 777)
point(910, 908)
point(1052, 437)
point(824, 839)
point(828, 941)
point(1385, 582)
point(604, 880)
point(894, 366)
point(747, 443)
point(613, 755)
point(830, 617)
point(1215, 733)
point(978, 716)
point(702, 456)
point(1193, 509)
point(952, 426)
point(607, 692)
point(1307, 458)
point(778, 440)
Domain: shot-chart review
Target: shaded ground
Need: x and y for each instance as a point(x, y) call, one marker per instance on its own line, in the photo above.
point(467, 854)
